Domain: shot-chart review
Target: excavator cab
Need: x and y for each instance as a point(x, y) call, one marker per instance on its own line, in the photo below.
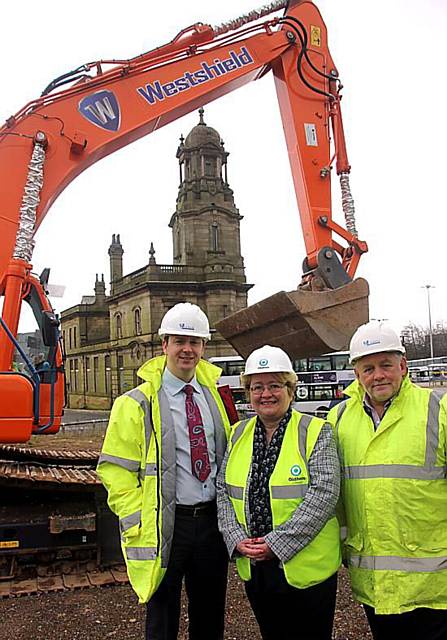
point(31, 400)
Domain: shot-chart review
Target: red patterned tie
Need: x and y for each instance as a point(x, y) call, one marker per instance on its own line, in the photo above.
point(200, 462)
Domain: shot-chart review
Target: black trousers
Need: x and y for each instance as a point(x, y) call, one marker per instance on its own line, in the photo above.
point(419, 624)
point(199, 555)
point(286, 613)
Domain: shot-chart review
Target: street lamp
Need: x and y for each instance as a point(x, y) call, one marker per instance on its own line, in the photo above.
point(428, 287)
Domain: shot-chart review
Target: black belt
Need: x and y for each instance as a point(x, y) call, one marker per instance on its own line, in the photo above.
point(196, 510)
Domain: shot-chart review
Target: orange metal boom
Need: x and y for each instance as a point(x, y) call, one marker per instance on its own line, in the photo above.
point(99, 114)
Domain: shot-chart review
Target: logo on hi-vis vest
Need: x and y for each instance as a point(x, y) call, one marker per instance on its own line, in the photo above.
point(101, 109)
point(295, 473)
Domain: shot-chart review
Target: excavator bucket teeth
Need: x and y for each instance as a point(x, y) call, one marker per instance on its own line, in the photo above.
point(303, 323)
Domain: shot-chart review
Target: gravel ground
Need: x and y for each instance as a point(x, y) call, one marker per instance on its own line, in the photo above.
point(113, 612)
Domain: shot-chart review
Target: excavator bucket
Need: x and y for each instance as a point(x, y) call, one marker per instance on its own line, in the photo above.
point(303, 323)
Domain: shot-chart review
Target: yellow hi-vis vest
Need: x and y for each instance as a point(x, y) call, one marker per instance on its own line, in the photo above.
point(394, 493)
point(138, 468)
point(288, 485)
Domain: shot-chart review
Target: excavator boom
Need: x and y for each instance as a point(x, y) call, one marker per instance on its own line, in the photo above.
point(109, 104)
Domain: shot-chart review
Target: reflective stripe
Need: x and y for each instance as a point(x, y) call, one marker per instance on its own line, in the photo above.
point(141, 553)
point(239, 431)
point(289, 491)
point(405, 471)
point(144, 403)
point(397, 563)
point(130, 521)
point(235, 491)
point(130, 465)
point(168, 475)
point(341, 406)
point(303, 426)
point(340, 410)
point(151, 469)
point(432, 440)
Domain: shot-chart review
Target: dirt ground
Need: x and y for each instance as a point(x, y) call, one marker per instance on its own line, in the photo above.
point(113, 612)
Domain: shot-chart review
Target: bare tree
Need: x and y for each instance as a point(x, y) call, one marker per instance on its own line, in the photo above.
point(416, 340)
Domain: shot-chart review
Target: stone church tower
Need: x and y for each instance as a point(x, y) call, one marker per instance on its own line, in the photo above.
point(109, 337)
point(205, 225)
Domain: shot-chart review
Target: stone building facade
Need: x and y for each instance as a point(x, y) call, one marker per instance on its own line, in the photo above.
point(108, 337)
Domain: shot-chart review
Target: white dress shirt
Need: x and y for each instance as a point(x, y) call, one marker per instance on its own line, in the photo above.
point(189, 489)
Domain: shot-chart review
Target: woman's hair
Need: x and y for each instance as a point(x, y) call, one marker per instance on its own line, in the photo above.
point(287, 377)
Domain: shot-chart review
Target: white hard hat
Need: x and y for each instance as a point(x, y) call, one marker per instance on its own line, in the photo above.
point(376, 336)
point(268, 359)
point(185, 319)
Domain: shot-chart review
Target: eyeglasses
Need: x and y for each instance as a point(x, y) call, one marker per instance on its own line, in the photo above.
point(274, 387)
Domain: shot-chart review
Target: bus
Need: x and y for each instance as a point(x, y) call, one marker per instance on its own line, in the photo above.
point(320, 385)
point(322, 381)
point(232, 368)
point(428, 370)
point(419, 375)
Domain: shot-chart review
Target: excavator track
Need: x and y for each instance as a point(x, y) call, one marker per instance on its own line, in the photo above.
point(84, 580)
point(56, 531)
point(76, 457)
point(23, 465)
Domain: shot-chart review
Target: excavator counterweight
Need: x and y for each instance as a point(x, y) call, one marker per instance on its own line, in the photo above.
point(303, 323)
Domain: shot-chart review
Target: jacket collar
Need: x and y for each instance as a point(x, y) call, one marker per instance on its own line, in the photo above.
point(152, 371)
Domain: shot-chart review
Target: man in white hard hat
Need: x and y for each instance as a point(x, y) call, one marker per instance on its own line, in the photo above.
point(163, 447)
point(392, 441)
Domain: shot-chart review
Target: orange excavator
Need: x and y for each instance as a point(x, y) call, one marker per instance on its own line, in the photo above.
point(101, 106)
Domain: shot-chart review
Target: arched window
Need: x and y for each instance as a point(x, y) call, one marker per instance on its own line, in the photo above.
point(120, 362)
point(86, 373)
point(210, 166)
point(214, 237)
point(137, 318)
point(95, 373)
point(76, 371)
point(119, 326)
point(108, 373)
point(177, 243)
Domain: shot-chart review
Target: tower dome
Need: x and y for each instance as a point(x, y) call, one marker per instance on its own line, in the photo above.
point(202, 134)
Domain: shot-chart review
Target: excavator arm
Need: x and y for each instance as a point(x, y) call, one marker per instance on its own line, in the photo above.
point(109, 104)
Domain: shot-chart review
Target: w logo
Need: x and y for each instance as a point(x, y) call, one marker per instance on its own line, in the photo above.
point(101, 109)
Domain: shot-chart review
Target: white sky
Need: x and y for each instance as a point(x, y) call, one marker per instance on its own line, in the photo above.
point(391, 58)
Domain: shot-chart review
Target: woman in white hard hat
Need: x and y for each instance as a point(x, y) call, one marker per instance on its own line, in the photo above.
point(277, 492)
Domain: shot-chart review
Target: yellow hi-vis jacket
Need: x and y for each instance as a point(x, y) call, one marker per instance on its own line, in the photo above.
point(288, 484)
point(138, 468)
point(394, 493)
